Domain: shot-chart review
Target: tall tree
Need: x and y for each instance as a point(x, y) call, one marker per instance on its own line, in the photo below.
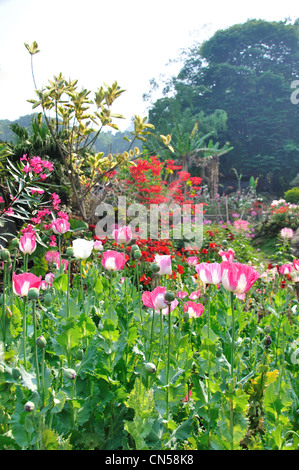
point(247, 71)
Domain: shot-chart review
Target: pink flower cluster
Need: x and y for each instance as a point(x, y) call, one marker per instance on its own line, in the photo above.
point(37, 166)
point(241, 225)
point(53, 258)
point(290, 269)
point(286, 233)
point(235, 277)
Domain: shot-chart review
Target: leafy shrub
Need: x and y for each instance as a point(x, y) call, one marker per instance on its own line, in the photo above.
point(292, 195)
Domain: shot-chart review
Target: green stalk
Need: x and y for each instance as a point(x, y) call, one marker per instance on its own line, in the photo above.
point(232, 371)
point(35, 345)
point(24, 330)
point(68, 288)
point(233, 336)
point(161, 344)
point(152, 334)
point(43, 377)
point(138, 290)
point(209, 363)
point(209, 307)
point(168, 360)
point(59, 250)
point(4, 304)
point(81, 281)
point(25, 263)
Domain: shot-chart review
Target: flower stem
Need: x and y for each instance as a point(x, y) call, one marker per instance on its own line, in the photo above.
point(24, 330)
point(35, 345)
point(232, 372)
point(152, 334)
point(4, 304)
point(81, 281)
point(168, 360)
point(233, 336)
point(68, 289)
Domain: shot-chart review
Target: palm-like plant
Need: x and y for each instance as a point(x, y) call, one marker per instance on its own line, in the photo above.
point(34, 141)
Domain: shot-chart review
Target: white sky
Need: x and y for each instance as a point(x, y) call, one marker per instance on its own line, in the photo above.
point(98, 41)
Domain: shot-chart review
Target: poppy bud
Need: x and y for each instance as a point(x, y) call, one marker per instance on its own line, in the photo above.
point(29, 406)
point(80, 354)
point(41, 342)
point(15, 243)
point(69, 374)
point(5, 255)
point(150, 367)
point(134, 248)
point(48, 299)
point(267, 341)
point(267, 329)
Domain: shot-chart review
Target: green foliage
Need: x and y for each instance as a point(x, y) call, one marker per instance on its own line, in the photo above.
point(292, 195)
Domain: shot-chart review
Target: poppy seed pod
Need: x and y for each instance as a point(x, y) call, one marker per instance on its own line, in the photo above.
point(137, 254)
point(33, 293)
point(69, 252)
point(155, 268)
point(169, 296)
point(5, 255)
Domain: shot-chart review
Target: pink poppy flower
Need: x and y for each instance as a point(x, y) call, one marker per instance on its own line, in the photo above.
point(49, 277)
point(296, 264)
point(44, 285)
point(237, 277)
point(192, 260)
point(193, 309)
point(181, 294)
point(27, 243)
point(64, 263)
point(164, 263)
point(156, 300)
point(122, 235)
point(23, 282)
point(228, 255)
point(60, 226)
point(286, 268)
point(113, 260)
point(209, 273)
point(194, 295)
point(98, 245)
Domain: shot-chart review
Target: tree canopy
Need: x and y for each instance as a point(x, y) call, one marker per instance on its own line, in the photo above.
point(246, 71)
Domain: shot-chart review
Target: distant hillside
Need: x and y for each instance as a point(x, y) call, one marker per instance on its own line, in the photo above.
point(107, 141)
point(6, 134)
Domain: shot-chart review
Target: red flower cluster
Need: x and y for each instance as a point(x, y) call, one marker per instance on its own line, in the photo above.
point(147, 177)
